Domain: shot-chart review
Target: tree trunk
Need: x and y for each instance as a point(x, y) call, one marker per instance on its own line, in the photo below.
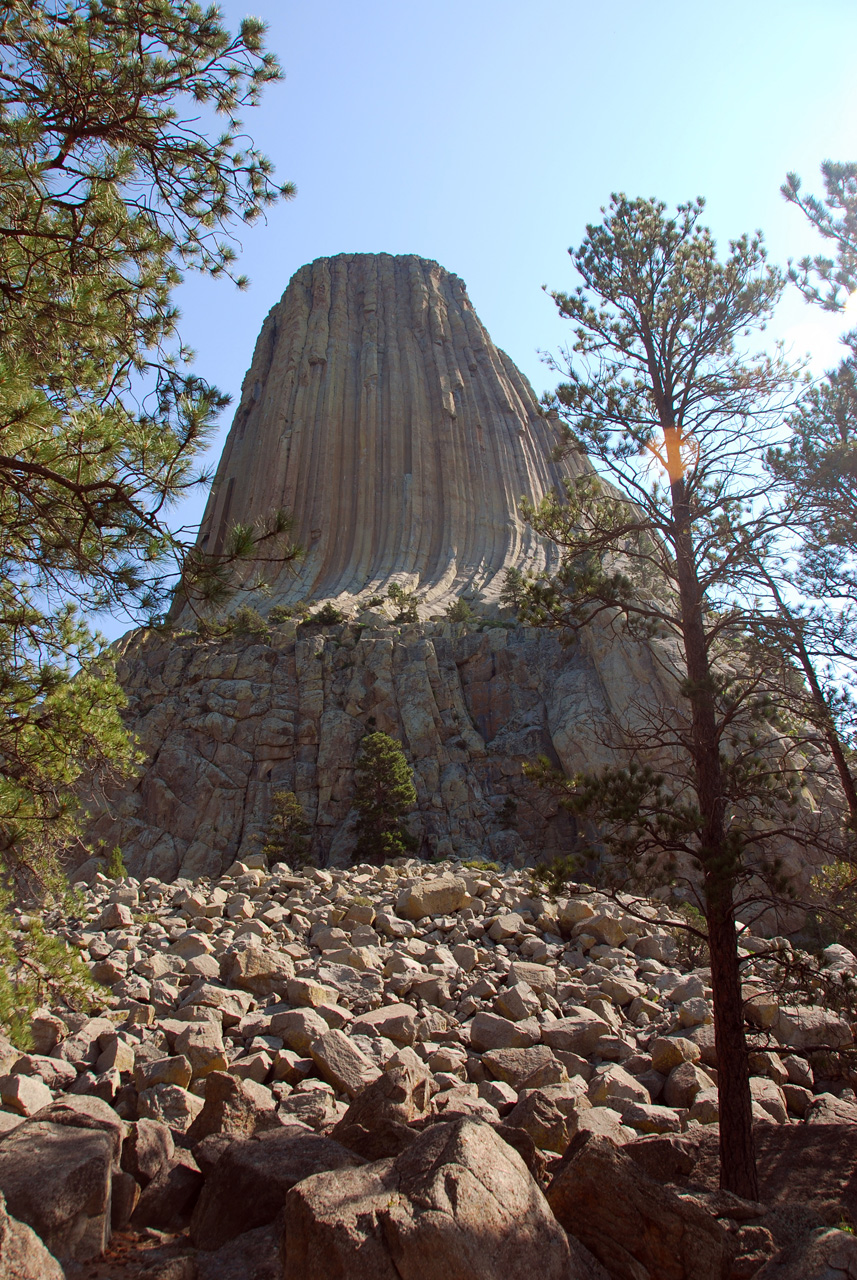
point(737, 1147)
point(737, 1153)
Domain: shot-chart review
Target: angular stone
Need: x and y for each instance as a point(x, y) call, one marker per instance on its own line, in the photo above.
point(25, 1095)
point(396, 1022)
point(248, 1185)
point(671, 1051)
point(826, 1108)
point(171, 1105)
point(160, 1071)
point(488, 1031)
point(167, 1202)
point(578, 1032)
point(517, 1003)
point(148, 1149)
point(202, 1045)
point(428, 1214)
point(228, 1108)
point(376, 1122)
point(825, 1254)
point(539, 977)
point(437, 897)
point(617, 1089)
point(297, 1028)
point(341, 1063)
point(683, 1084)
point(56, 1177)
point(516, 1066)
point(812, 1027)
point(258, 969)
point(22, 1254)
point(637, 1229)
point(606, 929)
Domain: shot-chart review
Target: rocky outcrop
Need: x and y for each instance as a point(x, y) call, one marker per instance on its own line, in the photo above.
point(225, 722)
point(378, 411)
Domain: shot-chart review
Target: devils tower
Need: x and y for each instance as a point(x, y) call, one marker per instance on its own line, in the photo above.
point(380, 414)
point(378, 411)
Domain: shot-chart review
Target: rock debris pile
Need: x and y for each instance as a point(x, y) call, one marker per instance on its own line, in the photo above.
point(410, 1071)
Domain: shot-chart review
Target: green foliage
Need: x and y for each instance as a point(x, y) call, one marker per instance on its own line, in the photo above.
point(513, 593)
point(247, 621)
point(110, 189)
point(116, 869)
point(691, 939)
point(556, 878)
point(287, 835)
point(327, 616)
point(280, 613)
point(821, 279)
point(374, 602)
point(37, 968)
point(508, 814)
point(384, 793)
point(60, 727)
point(405, 603)
point(460, 611)
point(481, 864)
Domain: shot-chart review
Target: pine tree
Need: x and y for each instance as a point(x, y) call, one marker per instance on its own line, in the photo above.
point(110, 189)
point(661, 398)
point(384, 793)
point(286, 837)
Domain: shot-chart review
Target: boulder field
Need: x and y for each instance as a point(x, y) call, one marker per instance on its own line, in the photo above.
point(411, 1071)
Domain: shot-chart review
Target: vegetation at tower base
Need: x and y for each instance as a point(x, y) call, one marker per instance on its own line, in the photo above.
point(677, 418)
point(109, 190)
point(286, 837)
point(384, 793)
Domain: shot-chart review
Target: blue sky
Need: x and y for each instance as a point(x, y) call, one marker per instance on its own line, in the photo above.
point(486, 135)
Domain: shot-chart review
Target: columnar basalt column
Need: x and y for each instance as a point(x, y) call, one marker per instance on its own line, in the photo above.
point(378, 411)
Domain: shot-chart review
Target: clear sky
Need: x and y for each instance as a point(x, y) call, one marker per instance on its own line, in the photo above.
point(486, 135)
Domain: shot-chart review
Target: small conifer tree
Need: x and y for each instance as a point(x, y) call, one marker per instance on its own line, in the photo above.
point(385, 792)
point(286, 837)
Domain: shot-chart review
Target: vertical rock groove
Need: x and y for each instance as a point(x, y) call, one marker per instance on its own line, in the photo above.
point(379, 412)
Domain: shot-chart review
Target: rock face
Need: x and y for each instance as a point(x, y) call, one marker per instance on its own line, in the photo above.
point(226, 722)
point(378, 411)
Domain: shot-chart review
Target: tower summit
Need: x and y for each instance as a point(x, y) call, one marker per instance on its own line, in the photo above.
point(380, 414)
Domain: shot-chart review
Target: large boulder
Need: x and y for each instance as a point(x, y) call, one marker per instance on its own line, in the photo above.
point(22, 1254)
point(812, 1027)
point(823, 1255)
point(229, 1107)
point(814, 1165)
point(256, 968)
point(436, 897)
point(247, 1188)
point(56, 1172)
point(637, 1228)
point(376, 1123)
point(457, 1205)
